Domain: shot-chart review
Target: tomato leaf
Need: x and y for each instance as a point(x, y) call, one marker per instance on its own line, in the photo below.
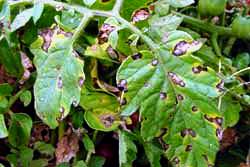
point(59, 71)
point(3, 129)
point(21, 19)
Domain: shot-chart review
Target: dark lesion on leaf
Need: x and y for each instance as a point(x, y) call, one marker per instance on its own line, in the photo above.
point(188, 131)
point(219, 133)
point(180, 97)
point(188, 148)
point(123, 101)
point(154, 62)
point(176, 160)
point(182, 47)
point(140, 15)
point(199, 69)
point(122, 85)
point(220, 86)
point(107, 120)
point(136, 56)
point(59, 82)
point(176, 79)
point(81, 81)
point(163, 95)
point(104, 32)
point(194, 109)
point(217, 120)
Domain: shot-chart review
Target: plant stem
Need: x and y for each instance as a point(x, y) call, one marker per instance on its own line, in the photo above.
point(61, 129)
point(240, 71)
point(203, 25)
point(81, 26)
point(215, 45)
point(84, 10)
point(117, 7)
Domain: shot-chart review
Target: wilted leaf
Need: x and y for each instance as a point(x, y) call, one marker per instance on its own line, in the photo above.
point(127, 150)
point(67, 148)
point(59, 71)
point(19, 130)
point(174, 89)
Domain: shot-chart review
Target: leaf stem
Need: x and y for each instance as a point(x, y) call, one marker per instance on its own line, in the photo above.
point(240, 71)
point(117, 7)
point(81, 26)
point(14, 98)
point(205, 26)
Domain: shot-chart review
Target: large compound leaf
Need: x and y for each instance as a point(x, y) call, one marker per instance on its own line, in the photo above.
point(59, 78)
point(174, 91)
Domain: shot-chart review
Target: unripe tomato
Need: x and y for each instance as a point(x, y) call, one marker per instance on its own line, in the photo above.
point(241, 27)
point(211, 7)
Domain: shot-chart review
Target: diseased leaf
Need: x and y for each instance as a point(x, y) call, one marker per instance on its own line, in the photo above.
point(37, 10)
point(3, 129)
point(19, 130)
point(174, 90)
point(127, 150)
point(153, 153)
point(21, 19)
point(101, 110)
point(59, 71)
point(68, 20)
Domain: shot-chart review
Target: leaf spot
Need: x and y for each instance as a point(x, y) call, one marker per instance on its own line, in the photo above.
point(219, 133)
point(155, 62)
point(59, 82)
point(81, 81)
point(176, 160)
point(176, 80)
point(163, 95)
point(122, 85)
point(198, 69)
point(104, 32)
point(137, 56)
point(194, 109)
point(107, 120)
point(182, 47)
point(188, 148)
point(220, 86)
point(180, 97)
point(140, 15)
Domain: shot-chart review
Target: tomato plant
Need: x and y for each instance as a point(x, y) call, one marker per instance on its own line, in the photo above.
point(91, 83)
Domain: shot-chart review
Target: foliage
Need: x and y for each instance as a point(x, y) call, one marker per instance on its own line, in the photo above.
point(124, 83)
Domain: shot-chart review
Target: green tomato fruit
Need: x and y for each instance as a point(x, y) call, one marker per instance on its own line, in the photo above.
point(241, 27)
point(211, 7)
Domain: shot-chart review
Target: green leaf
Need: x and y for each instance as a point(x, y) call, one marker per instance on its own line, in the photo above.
point(69, 20)
point(174, 90)
point(89, 2)
point(4, 103)
point(26, 156)
point(21, 19)
point(96, 161)
point(242, 61)
point(153, 153)
point(10, 58)
point(39, 163)
point(88, 143)
point(127, 150)
point(5, 89)
point(3, 129)
point(26, 97)
point(19, 130)
point(101, 110)
point(44, 148)
point(37, 10)
point(80, 164)
point(179, 3)
point(231, 110)
point(113, 39)
point(59, 71)
point(161, 26)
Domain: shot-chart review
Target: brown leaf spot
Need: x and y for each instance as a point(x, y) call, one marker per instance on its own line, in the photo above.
point(163, 95)
point(184, 132)
point(59, 82)
point(107, 120)
point(123, 101)
point(180, 97)
point(176, 80)
point(220, 86)
point(46, 34)
point(219, 133)
point(112, 52)
point(182, 47)
point(198, 69)
point(140, 15)
point(176, 160)
point(122, 85)
point(40, 132)
point(154, 62)
point(81, 81)
point(194, 109)
point(188, 148)
point(104, 32)
point(137, 56)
